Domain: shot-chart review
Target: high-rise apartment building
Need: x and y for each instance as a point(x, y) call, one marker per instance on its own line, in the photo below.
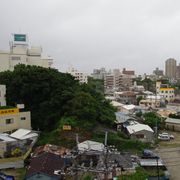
point(117, 80)
point(20, 53)
point(170, 68)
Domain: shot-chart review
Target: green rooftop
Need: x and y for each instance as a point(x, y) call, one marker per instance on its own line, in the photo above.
point(6, 107)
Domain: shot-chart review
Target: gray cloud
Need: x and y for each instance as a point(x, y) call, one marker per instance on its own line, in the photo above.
point(138, 35)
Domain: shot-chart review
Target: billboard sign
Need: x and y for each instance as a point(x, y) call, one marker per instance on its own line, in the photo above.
point(66, 127)
point(20, 37)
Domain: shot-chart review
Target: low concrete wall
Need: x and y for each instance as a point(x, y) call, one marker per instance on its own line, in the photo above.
point(14, 162)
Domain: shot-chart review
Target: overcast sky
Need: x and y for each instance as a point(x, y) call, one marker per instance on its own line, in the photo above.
point(137, 35)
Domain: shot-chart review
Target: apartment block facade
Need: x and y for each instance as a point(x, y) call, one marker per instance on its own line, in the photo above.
point(165, 91)
point(81, 76)
point(11, 119)
point(20, 53)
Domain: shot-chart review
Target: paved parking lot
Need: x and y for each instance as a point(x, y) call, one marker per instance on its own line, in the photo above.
point(169, 151)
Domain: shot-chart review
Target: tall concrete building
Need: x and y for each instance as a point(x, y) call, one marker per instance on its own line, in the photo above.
point(158, 72)
point(20, 53)
point(81, 76)
point(170, 68)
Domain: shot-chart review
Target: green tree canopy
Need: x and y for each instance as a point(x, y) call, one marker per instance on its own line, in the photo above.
point(52, 96)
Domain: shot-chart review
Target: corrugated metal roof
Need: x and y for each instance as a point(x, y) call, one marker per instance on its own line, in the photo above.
point(20, 133)
point(129, 107)
point(90, 145)
point(6, 138)
point(150, 162)
point(172, 120)
point(138, 127)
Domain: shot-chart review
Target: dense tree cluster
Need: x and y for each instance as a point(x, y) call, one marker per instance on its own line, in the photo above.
point(55, 98)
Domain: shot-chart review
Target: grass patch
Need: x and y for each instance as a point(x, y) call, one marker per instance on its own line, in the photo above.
point(17, 173)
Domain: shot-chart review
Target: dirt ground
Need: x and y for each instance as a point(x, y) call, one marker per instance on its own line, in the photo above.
point(169, 151)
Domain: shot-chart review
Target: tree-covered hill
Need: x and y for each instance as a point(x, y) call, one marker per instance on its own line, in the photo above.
point(56, 98)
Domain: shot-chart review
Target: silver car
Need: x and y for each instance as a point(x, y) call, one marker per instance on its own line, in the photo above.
point(164, 138)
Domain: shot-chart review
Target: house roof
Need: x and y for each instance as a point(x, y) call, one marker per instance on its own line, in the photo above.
point(150, 162)
point(46, 163)
point(138, 127)
point(123, 160)
point(123, 118)
point(6, 138)
point(58, 150)
point(129, 107)
point(129, 94)
point(23, 134)
point(166, 113)
point(90, 146)
point(172, 120)
point(115, 103)
point(173, 104)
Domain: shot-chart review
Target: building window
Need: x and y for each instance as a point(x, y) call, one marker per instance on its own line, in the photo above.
point(9, 121)
point(15, 58)
point(23, 118)
point(166, 91)
point(162, 91)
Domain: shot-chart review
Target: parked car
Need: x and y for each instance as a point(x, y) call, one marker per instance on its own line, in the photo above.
point(164, 138)
point(6, 177)
point(166, 134)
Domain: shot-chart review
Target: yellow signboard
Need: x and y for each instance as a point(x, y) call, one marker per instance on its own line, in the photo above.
point(9, 111)
point(66, 127)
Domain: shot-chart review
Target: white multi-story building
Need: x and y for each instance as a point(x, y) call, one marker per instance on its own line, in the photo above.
point(20, 53)
point(2, 95)
point(81, 76)
point(164, 91)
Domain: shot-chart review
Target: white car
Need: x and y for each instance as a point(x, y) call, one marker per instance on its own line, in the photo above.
point(164, 138)
point(166, 134)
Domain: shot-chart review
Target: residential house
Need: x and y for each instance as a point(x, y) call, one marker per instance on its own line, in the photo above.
point(151, 164)
point(128, 97)
point(174, 106)
point(46, 166)
point(128, 109)
point(152, 101)
point(118, 163)
point(176, 95)
point(164, 114)
point(140, 132)
point(122, 119)
point(136, 88)
point(90, 150)
point(172, 124)
point(25, 135)
point(2, 95)
point(12, 119)
point(21, 139)
point(140, 93)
